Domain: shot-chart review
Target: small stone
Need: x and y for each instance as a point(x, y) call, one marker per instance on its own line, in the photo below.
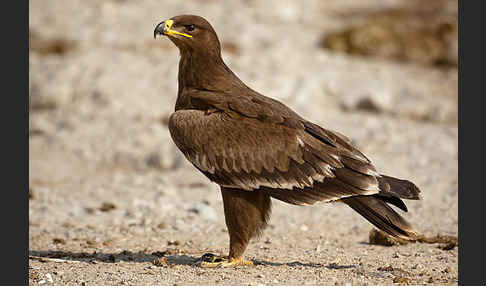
point(90, 242)
point(162, 261)
point(173, 242)
point(106, 207)
point(161, 225)
point(58, 241)
point(401, 279)
point(108, 242)
point(388, 268)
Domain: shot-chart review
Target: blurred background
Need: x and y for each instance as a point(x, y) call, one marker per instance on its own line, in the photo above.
point(101, 88)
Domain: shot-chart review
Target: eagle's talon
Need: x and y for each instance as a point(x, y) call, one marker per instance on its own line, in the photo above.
point(209, 260)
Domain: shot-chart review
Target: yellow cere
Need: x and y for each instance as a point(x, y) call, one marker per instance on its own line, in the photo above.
point(168, 31)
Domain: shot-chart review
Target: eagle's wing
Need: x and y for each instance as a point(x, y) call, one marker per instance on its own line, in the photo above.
point(300, 163)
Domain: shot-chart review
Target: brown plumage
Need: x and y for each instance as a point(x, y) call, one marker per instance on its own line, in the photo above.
point(256, 148)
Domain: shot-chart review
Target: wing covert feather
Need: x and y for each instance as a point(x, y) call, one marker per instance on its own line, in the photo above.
point(246, 153)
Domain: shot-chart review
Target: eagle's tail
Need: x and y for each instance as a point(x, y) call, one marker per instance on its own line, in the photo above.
point(376, 210)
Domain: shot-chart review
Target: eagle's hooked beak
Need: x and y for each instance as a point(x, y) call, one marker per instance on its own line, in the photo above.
point(164, 28)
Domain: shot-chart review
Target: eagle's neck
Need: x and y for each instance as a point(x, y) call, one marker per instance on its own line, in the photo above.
point(205, 72)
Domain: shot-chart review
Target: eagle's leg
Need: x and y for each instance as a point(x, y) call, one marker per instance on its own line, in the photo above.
point(246, 214)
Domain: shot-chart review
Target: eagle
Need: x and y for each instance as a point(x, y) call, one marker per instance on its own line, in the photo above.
point(257, 149)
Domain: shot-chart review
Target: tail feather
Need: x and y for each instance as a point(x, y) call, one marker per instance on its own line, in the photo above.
point(398, 188)
point(396, 201)
point(381, 215)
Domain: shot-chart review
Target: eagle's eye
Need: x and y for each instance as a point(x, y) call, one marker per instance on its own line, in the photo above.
point(190, 27)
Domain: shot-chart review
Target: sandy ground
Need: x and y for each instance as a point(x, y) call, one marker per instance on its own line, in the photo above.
point(111, 194)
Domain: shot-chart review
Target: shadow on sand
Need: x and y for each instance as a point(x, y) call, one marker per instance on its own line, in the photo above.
point(141, 257)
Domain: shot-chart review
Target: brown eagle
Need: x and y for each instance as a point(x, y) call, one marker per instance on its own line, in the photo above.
point(256, 148)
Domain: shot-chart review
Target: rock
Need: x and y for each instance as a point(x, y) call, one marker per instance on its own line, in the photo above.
point(162, 261)
point(378, 237)
point(407, 34)
point(401, 279)
point(107, 206)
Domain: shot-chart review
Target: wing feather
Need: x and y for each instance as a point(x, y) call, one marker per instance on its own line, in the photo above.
point(290, 163)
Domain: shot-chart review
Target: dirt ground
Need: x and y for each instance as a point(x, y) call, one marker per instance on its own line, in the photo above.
point(113, 202)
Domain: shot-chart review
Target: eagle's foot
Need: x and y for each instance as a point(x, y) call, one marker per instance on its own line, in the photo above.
point(209, 260)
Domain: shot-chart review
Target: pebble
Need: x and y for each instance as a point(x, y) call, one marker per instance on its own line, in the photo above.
point(47, 280)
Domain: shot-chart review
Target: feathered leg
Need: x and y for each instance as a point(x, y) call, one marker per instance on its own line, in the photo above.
point(246, 214)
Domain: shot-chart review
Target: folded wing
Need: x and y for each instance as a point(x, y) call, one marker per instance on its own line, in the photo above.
point(300, 164)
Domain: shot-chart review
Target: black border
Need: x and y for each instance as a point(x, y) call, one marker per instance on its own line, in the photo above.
point(15, 139)
point(471, 205)
point(15, 98)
